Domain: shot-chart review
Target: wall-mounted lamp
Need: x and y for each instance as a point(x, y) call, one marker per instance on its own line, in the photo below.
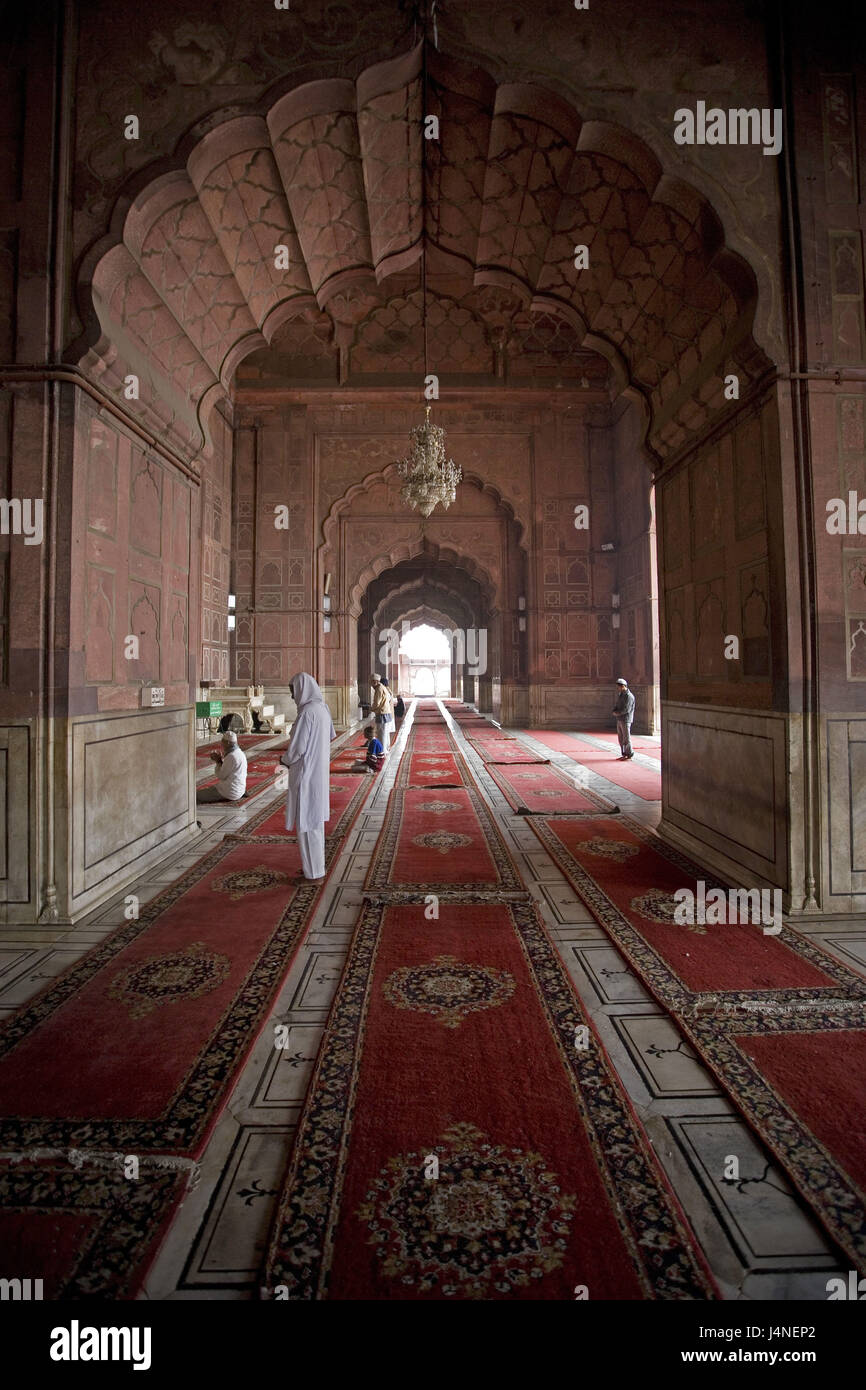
point(232, 621)
point(521, 624)
point(326, 603)
point(521, 603)
point(614, 600)
point(232, 600)
point(326, 624)
point(614, 621)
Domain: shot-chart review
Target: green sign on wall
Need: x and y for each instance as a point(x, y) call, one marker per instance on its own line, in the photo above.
point(208, 709)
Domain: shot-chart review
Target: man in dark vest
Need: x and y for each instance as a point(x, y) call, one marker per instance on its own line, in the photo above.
point(624, 711)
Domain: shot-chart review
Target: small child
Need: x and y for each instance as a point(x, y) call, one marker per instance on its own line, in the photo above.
point(375, 753)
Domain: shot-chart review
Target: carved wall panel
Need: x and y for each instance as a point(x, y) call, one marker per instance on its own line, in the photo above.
point(846, 282)
point(854, 567)
point(132, 576)
point(717, 577)
point(100, 633)
point(146, 506)
point(840, 144)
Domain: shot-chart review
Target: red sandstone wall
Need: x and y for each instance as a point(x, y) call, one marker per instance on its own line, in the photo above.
point(536, 464)
point(216, 534)
point(134, 572)
point(723, 573)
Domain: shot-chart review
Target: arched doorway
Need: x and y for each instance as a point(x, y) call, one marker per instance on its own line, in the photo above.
point(642, 351)
point(466, 591)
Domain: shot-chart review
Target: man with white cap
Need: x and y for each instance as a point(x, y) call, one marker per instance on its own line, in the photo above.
point(308, 802)
point(624, 711)
point(231, 783)
point(381, 709)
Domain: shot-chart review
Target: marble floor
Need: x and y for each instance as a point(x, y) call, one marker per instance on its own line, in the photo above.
point(759, 1239)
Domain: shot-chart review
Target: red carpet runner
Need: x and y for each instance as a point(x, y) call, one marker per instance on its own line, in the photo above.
point(346, 795)
point(544, 789)
point(644, 782)
point(439, 841)
point(134, 1050)
point(471, 1174)
point(431, 759)
point(781, 1023)
point(86, 1230)
point(153, 1025)
point(503, 750)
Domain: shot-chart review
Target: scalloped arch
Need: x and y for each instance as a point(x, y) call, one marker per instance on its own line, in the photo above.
point(390, 476)
point(423, 592)
point(187, 285)
point(408, 550)
point(424, 613)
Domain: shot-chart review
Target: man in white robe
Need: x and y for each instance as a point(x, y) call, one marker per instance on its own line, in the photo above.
point(308, 803)
point(231, 783)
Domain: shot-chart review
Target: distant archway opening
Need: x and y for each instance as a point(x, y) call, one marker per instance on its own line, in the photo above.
point(425, 655)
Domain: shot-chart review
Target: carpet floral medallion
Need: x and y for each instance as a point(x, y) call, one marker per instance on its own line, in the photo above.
point(495, 1219)
point(435, 1161)
point(448, 988)
point(166, 979)
point(249, 881)
point(442, 840)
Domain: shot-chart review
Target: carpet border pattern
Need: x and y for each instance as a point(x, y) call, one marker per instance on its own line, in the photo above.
point(711, 1021)
point(301, 1242)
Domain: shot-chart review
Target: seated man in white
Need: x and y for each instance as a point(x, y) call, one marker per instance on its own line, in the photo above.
point(231, 772)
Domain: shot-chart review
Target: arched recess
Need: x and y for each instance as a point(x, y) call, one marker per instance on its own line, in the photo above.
point(187, 283)
point(186, 288)
point(426, 588)
point(469, 562)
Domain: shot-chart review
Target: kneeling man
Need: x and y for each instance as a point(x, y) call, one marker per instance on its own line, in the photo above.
point(231, 772)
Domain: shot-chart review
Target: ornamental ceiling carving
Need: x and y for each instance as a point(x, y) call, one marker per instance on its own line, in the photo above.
point(333, 173)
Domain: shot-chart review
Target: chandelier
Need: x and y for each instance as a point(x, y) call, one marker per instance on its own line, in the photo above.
point(431, 478)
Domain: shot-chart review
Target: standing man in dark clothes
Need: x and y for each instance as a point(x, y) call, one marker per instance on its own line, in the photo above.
point(624, 711)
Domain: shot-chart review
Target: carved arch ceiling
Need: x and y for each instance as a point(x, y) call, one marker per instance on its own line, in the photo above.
point(335, 172)
point(425, 615)
point(391, 599)
point(358, 547)
point(442, 567)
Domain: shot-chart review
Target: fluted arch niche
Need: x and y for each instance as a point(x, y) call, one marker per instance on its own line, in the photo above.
point(309, 214)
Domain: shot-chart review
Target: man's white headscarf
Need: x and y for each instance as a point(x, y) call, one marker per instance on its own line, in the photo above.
point(307, 800)
point(306, 689)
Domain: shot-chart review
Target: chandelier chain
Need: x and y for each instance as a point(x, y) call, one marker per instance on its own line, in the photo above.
point(431, 477)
